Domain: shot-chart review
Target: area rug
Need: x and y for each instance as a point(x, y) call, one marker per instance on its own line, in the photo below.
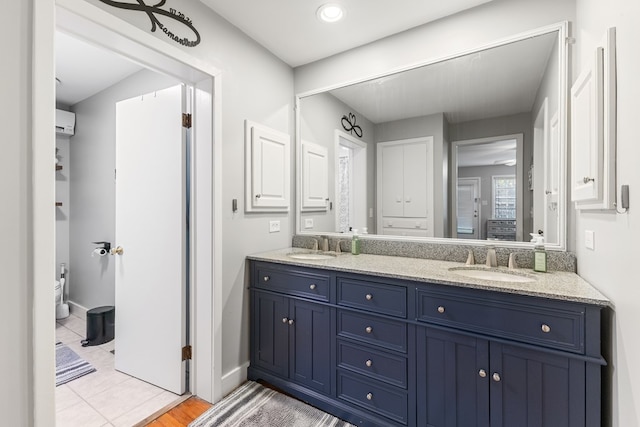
point(252, 405)
point(69, 365)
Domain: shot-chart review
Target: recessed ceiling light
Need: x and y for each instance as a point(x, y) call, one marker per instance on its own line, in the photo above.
point(330, 12)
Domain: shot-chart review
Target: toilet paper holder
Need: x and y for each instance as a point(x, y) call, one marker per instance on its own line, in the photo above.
point(106, 246)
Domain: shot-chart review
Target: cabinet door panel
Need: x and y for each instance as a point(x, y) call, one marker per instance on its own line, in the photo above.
point(451, 391)
point(415, 180)
point(270, 333)
point(392, 181)
point(311, 345)
point(535, 389)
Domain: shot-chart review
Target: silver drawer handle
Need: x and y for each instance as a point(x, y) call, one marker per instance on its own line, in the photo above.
point(546, 328)
point(266, 278)
point(368, 329)
point(369, 396)
point(312, 287)
point(496, 377)
point(369, 297)
point(369, 363)
point(285, 320)
point(441, 309)
point(482, 373)
point(291, 321)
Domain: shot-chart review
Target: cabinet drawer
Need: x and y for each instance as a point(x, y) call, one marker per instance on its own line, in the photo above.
point(375, 397)
point(409, 223)
point(372, 363)
point(382, 332)
point(292, 282)
point(376, 297)
point(534, 324)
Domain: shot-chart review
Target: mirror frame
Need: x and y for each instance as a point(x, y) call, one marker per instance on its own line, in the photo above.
point(562, 28)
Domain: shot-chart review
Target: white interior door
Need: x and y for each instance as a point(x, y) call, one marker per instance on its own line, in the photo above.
point(150, 228)
point(468, 215)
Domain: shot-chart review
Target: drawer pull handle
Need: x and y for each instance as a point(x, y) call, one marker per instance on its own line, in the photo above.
point(369, 363)
point(369, 396)
point(368, 329)
point(312, 287)
point(496, 377)
point(546, 328)
point(266, 278)
point(291, 321)
point(441, 309)
point(482, 373)
point(285, 320)
point(369, 297)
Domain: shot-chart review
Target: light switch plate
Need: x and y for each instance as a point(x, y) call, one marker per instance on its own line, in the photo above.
point(589, 237)
point(274, 226)
point(308, 223)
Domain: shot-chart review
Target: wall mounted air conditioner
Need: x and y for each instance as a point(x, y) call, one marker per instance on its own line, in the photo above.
point(65, 123)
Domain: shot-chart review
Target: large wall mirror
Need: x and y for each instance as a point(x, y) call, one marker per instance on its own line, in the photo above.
point(468, 147)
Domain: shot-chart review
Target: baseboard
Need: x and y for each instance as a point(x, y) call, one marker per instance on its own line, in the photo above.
point(232, 379)
point(77, 310)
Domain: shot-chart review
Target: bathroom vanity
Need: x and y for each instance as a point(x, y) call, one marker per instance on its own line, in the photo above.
point(392, 341)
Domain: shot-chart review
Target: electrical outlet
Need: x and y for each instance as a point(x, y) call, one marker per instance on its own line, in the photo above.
point(274, 226)
point(589, 237)
point(308, 223)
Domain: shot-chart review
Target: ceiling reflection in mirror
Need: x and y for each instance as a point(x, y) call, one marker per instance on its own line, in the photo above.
point(453, 149)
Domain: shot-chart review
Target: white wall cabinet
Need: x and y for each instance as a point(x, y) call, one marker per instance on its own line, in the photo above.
point(315, 177)
point(593, 134)
point(267, 169)
point(405, 187)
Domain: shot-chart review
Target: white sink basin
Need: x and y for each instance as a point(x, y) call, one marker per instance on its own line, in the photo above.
point(310, 256)
point(492, 275)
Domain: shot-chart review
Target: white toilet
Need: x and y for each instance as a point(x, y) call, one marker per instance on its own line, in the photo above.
point(62, 309)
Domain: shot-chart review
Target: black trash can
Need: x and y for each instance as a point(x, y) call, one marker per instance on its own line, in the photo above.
point(100, 325)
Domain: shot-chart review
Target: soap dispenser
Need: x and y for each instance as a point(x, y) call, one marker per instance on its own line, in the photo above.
point(355, 243)
point(539, 254)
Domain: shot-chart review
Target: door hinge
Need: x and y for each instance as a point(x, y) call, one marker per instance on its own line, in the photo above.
point(186, 353)
point(570, 40)
point(186, 120)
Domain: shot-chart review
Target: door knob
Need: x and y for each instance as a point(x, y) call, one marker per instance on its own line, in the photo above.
point(117, 251)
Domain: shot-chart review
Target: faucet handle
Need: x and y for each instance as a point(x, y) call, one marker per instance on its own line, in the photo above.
point(471, 260)
point(512, 261)
point(491, 258)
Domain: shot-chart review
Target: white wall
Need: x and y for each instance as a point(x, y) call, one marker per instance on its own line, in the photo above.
point(611, 266)
point(91, 280)
point(63, 178)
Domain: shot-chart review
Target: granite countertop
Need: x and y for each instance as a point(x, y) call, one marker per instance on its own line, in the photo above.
point(558, 285)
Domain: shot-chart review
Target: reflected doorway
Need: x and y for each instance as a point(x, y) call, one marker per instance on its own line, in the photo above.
point(468, 208)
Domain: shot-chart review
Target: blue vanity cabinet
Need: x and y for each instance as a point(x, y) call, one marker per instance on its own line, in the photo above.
point(503, 360)
point(292, 337)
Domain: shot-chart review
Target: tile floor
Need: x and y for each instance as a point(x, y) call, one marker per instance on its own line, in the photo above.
point(105, 397)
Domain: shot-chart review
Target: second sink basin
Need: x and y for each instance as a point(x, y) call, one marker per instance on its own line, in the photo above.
point(492, 275)
point(310, 256)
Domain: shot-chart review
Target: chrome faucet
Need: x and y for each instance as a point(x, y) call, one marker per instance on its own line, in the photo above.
point(338, 249)
point(471, 260)
point(491, 257)
point(321, 242)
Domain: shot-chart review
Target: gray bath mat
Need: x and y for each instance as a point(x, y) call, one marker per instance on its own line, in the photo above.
point(69, 365)
point(252, 405)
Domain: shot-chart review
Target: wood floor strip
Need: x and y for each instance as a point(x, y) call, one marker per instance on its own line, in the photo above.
point(181, 415)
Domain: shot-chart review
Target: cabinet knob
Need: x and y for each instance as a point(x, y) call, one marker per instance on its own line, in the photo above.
point(546, 328)
point(368, 329)
point(266, 278)
point(285, 320)
point(312, 287)
point(291, 321)
point(496, 377)
point(482, 373)
point(440, 309)
point(369, 297)
point(369, 396)
point(258, 196)
point(369, 363)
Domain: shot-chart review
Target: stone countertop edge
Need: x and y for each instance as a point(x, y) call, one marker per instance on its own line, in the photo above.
point(557, 285)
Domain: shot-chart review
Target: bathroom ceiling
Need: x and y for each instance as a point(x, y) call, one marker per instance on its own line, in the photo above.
point(290, 29)
point(292, 32)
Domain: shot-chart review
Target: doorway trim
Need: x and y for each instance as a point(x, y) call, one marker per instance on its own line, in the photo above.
point(90, 23)
point(359, 185)
point(453, 188)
